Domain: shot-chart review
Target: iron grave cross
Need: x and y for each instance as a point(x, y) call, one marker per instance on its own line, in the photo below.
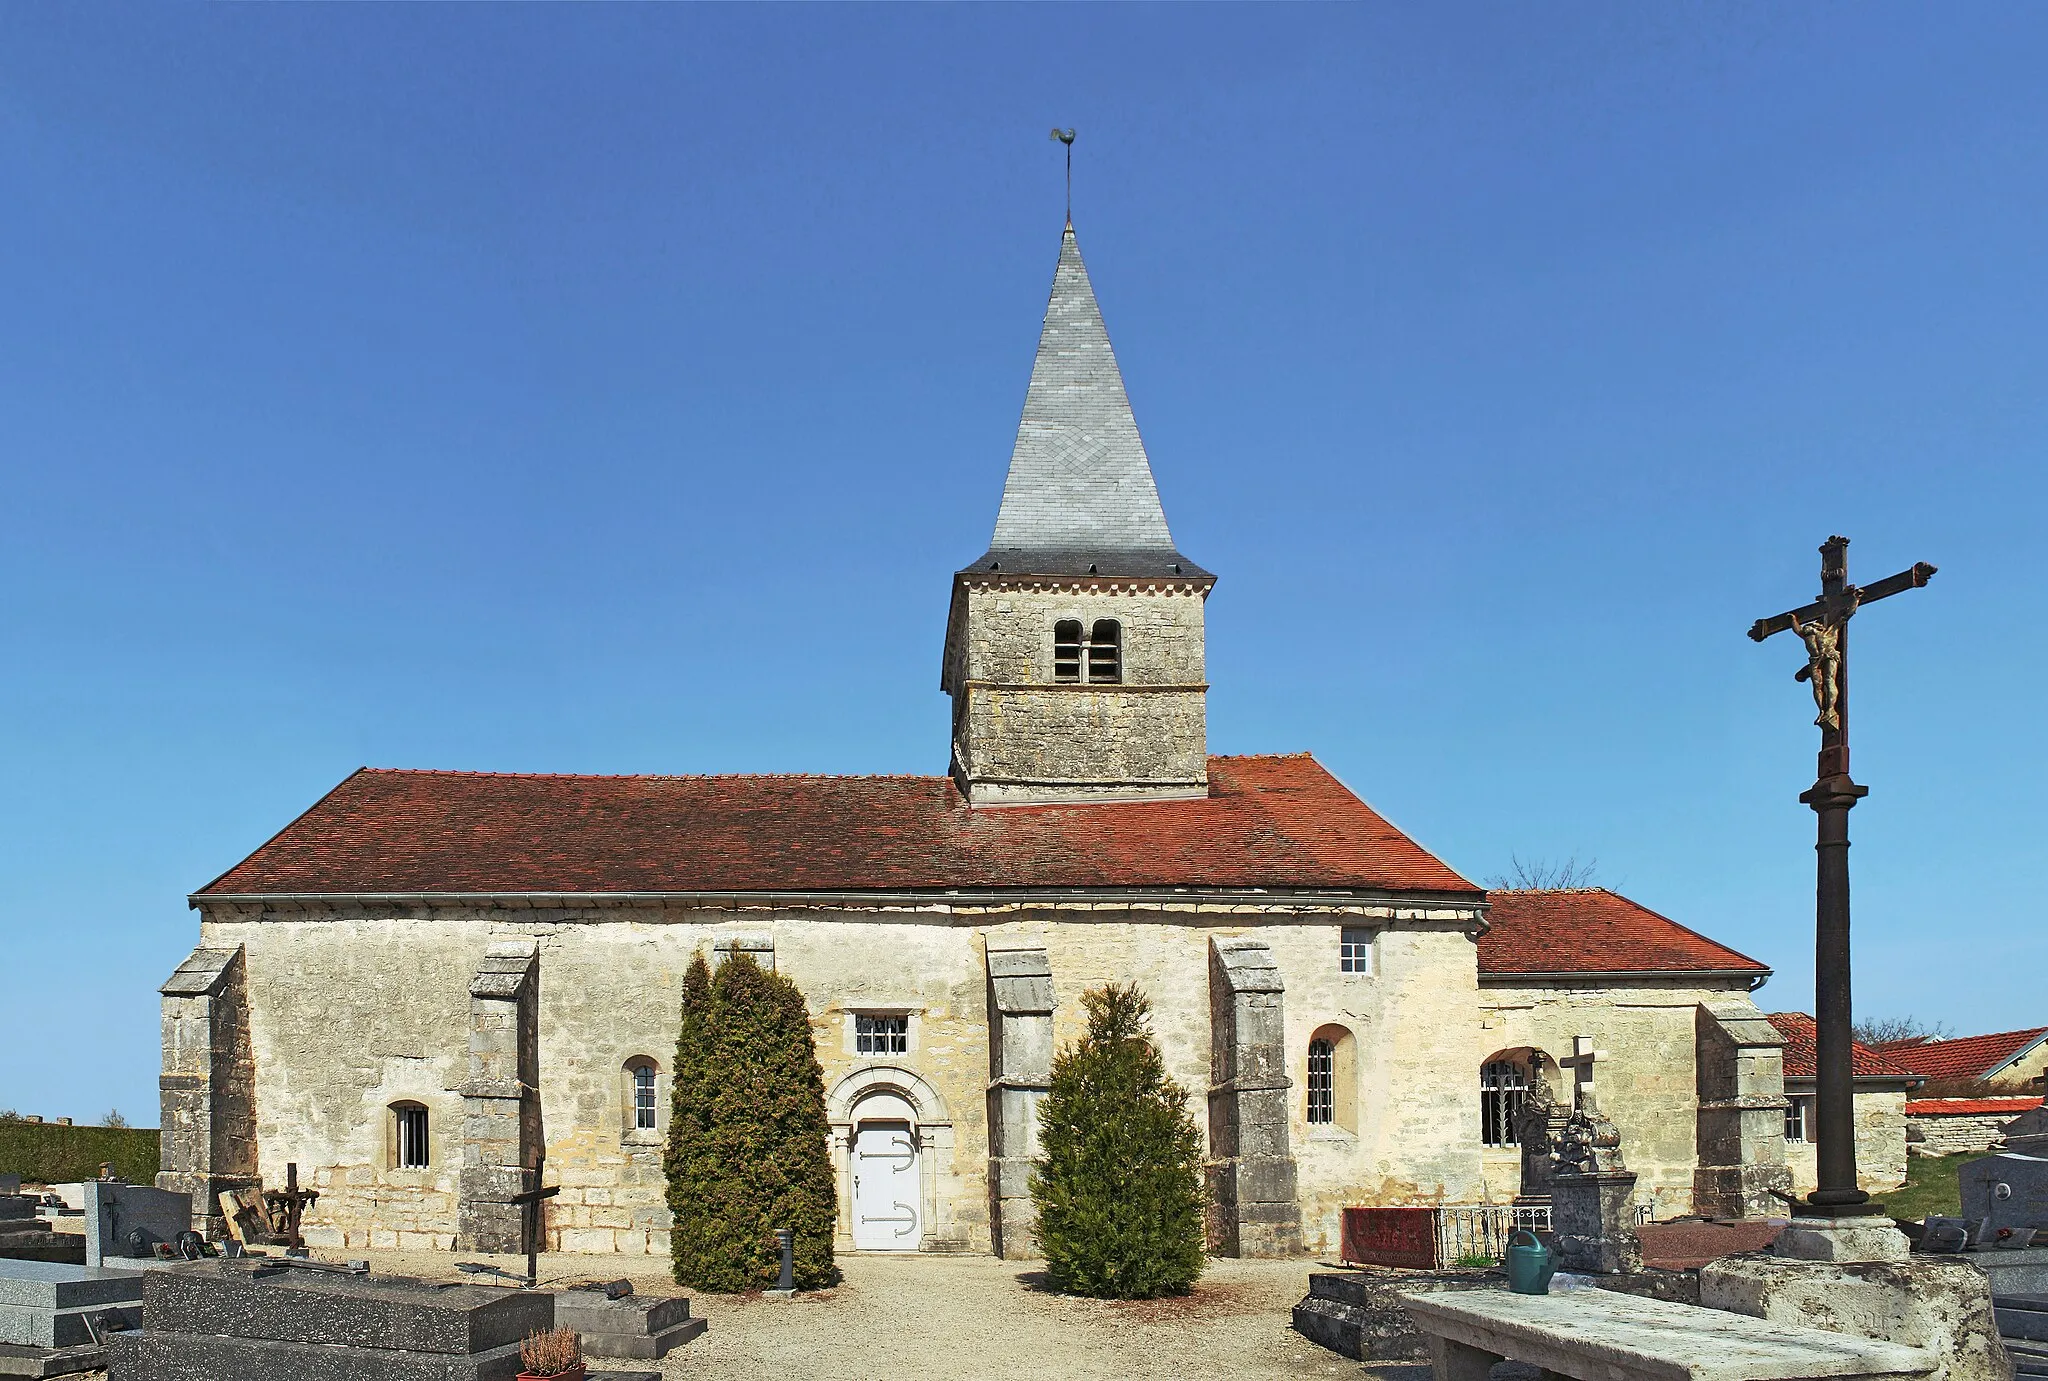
point(1824, 627)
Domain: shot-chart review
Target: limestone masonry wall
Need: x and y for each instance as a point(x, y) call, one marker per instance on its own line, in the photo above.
point(1880, 1143)
point(1646, 1081)
point(349, 1014)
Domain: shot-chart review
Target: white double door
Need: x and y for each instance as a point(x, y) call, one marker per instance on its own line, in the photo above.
point(885, 1188)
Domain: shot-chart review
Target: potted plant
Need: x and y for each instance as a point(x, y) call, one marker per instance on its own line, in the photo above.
point(556, 1355)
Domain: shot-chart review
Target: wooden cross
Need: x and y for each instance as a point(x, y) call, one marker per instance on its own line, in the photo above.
point(1824, 627)
point(1580, 1063)
point(530, 1200)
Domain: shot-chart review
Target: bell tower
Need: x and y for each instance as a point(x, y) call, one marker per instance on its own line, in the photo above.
point(1074, 645)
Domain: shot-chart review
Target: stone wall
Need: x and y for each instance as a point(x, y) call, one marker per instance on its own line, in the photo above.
point(1880, 1142)
point(1020, 736)
point(1647, 1080)
point(350, 1013)
point(1949, 1134)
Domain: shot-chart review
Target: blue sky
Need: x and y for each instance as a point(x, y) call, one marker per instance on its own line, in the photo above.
point(613, 389)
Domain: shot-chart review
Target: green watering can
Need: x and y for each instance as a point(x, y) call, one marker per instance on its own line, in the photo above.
point(1529, 1264)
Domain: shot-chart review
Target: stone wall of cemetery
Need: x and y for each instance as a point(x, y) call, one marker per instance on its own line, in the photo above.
point(350, 1013)
point(1647, 1081)
point(1880, 1143)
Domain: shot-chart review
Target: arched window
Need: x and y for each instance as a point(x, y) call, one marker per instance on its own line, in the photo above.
point(1332, 1079)
point(1105, 652)
point(1320, 1058)
point(409, 1146)
point(642, 1109)
point(1066, 650)
point(1502, 1086)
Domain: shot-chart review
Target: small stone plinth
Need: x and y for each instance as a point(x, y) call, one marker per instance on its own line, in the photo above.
point(1594, 1216)
point(1871, 1238)
point(635, 1326)
point(1942, 1304)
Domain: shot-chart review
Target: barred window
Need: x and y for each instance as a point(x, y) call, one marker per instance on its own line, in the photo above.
point(643, 1098)
point(1796, 1117)
point(1354, 952)
point(409, 1136)
point(1321, 1086)
point(881, 1035)
point(1502, 1086)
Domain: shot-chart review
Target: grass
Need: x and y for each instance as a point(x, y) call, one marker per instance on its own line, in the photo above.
point(1930, 1188)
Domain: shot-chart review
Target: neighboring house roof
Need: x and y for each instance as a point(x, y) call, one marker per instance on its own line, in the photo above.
point(1969, 1107)
point(1080, 498)
point(1593, 930)
point(1275, 822)
point(1965, 1057)
point(1802, 1052)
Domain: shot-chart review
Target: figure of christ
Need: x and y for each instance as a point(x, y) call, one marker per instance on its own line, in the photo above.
point(1823, 641)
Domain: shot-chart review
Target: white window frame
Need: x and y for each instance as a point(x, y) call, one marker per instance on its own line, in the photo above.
point(1798, 1118)
point(646, 1110)
point(411, 1137)
point(881, 1033)
point(1354, 949)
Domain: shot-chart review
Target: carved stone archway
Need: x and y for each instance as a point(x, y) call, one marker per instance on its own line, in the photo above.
point(934, 1131)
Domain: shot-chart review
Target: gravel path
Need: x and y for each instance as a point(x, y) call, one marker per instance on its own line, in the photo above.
point(956, 1318)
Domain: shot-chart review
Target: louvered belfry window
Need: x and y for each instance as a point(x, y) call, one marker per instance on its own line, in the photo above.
point(1066, 650)
point(1105, 653)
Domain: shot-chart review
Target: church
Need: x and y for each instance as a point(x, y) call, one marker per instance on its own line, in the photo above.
point(433, 984)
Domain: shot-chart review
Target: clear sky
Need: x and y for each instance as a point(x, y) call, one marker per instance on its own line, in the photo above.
point(614, 389)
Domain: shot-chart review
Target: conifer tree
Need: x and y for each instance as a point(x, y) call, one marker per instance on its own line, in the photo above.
point(1118, 1182)
point(749, 1145)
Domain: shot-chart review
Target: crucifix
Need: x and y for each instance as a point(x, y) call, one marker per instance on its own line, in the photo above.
point(1824, 627)
point(530, 1201)
point(288, 1205)
point(1580, 1063)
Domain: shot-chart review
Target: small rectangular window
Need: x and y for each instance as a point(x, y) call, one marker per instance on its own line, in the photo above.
point(1354, 951)
point(412, 1137)
point(1795, 1118)
point(1503, 1085)
point(881, 1035)
point(643, 1098)
point(1321, 1084)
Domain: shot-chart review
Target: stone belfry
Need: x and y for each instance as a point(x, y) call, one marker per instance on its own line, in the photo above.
point(1074, 646)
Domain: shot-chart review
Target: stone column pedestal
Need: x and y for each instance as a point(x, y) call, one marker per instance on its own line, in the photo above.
point(1868, 1238)
point(1594, 1216)
point(1942, 1304)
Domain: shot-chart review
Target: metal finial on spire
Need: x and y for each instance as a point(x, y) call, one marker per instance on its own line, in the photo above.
point(1066, 136)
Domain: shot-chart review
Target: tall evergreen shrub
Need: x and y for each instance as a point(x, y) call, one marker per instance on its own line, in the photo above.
point(749, 1145)
point(1118, 1181)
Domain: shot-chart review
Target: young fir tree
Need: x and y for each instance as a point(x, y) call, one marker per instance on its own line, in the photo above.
point(1118, 1182)
point(749, 1149)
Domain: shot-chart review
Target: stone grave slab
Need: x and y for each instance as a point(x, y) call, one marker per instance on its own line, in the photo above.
point(126, 1221)
point(635, 1326)
point(43, 1361)
point(227, 1320)
point(2004, 1191)
point(51, 1312)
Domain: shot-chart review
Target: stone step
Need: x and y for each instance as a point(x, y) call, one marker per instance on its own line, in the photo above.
point(176, 1356)
point(642, 1346)
point(1375, 1335)
point(588, 1311)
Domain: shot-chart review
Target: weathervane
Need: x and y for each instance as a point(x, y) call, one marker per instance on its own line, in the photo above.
point(1066, 136)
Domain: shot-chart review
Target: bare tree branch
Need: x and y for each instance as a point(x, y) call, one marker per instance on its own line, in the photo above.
point(1541, 875)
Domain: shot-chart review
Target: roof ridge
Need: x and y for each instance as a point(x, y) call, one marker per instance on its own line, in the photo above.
point(1923, 1043)
point(658, 776)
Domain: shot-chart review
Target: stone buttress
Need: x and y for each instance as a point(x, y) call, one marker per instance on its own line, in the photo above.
point(208, 1084)
point(500, 1104)
point(1020, 1009)
point(1254, 1206)
point(1741, 1060)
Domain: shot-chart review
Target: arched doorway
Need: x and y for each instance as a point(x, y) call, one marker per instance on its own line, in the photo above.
point(887, 1184)
point(892, 1137)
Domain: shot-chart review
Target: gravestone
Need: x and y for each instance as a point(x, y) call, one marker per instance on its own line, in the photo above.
point(2007, 1196)
point(50, 1305)
point(1537, 1128)
point(124, 1222)
point(241, 1320)
point(25, 1235)
point(625, 1324)
point(1592, 1193)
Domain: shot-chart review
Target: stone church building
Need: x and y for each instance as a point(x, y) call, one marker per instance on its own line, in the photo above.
point(430, 979)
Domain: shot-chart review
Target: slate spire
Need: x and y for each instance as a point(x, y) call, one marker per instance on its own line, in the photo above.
point(1079, 498)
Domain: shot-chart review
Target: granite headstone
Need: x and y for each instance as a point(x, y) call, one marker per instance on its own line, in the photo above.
point(124, 1222)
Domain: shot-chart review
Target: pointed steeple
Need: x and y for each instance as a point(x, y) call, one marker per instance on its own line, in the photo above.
point(1080, 497)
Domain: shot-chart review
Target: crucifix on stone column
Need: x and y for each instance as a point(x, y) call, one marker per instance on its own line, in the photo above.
point(1580, 1063)
point(1824, 627)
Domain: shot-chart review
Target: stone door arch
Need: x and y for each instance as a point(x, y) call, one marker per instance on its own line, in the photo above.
point(895, 1089)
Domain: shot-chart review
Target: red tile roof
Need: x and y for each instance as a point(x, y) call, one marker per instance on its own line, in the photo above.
point(1969, 1107)
point(1965, 1057)
point(1593, 930)
point(1271, 822)
point(1801, 1052)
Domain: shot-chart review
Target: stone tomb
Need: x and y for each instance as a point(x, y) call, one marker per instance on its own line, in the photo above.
point(124, 1222)
point(53, 1315)
point(26, 1236)
point(248, 1319)
point(630, 1325)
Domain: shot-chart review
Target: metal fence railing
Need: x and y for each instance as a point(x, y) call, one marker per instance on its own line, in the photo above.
point(1450, 1235)
point(1469, 1235)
